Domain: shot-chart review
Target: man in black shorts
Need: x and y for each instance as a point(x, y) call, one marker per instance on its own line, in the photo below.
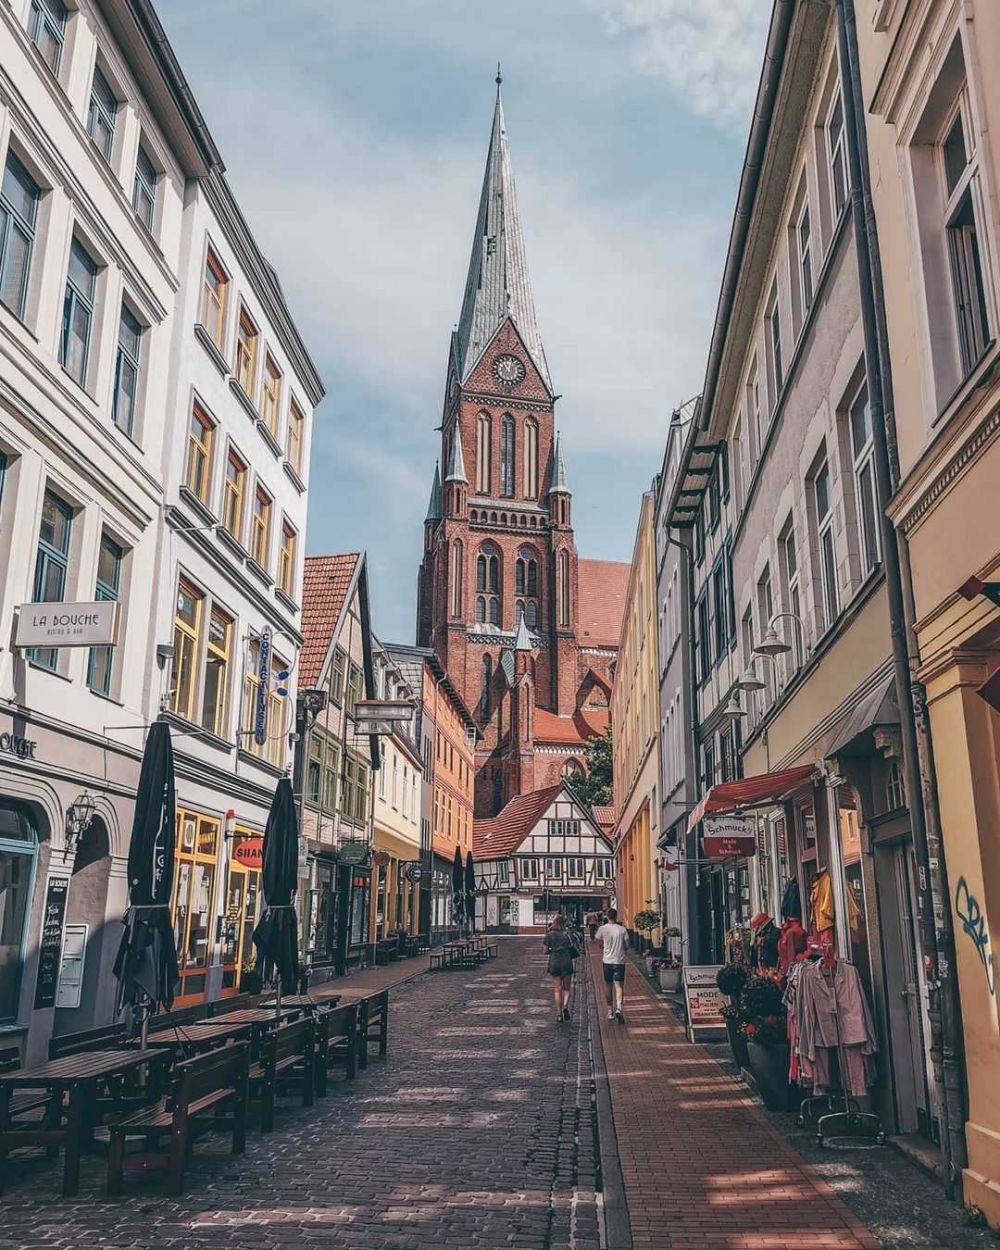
point(614, 938)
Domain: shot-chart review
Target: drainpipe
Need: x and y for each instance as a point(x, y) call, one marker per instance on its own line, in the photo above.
point(936, 934)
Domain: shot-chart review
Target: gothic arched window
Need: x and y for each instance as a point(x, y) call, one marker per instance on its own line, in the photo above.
point(481, 609)
point(526, 584)
point(484, 703)
point(563, 587)
point(484, 453)
point(488, 583)
point(530, 482)
point(507, 455)
point(456, 578)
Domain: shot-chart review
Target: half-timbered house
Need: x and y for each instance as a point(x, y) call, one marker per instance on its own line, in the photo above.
point(544, 853)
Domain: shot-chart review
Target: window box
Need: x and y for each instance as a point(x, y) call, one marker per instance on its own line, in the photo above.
point(245, 400)
point(216, 357)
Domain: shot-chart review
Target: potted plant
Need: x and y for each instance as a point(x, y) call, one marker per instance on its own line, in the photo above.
point(646, 921)
point(764, 1025)
point(731, 978)
point(670, 965)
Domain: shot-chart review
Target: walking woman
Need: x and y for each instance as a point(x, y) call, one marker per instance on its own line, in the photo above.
point(562, 952)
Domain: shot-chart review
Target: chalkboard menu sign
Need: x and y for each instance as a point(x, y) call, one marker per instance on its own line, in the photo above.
point(50, 947)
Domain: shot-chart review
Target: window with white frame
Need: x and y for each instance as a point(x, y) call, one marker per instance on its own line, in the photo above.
point(575, 868)
point(78, 312)
point(765, 614)
point(553, 869)
point(47, 28)
point(144, 188)
point(822, 493)
point(836, 155)
point(788, 563)
point(126, 396)
point(963, 214)
point(529, 869)
point(772, 336)
point(19, 199)
point(755, 433)
point(740, 476)
point(865, 495)
point(804, 254)
point(102, 113)
point(107, 589)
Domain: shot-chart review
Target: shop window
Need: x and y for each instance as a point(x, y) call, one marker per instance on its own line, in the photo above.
point(18, 848)
point(240, 905)
point(198, 839)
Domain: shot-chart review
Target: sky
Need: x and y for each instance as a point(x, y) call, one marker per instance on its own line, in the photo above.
point(354, 134)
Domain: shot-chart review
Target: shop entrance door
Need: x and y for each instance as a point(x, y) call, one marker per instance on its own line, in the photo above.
point(238, 919)
point(906, 1043)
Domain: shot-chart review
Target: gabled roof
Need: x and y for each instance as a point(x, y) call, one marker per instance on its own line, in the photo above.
point(605, 817)
point(572, 731)
point(603, 587)
point(497, 285)
point(325, 584)
point(503, 834)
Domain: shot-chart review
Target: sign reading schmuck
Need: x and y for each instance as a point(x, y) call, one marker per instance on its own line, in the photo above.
point(727, 837)
point(67, 624)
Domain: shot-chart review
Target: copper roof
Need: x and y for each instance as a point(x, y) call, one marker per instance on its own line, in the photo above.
point(325, 584)
point(503, 834)
point(603, 588)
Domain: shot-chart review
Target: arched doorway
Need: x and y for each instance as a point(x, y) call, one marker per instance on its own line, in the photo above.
point(88, 945)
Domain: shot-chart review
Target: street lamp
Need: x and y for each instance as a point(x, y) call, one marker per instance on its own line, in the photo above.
point(750, 681)
point(772, 644)
point(732, 712)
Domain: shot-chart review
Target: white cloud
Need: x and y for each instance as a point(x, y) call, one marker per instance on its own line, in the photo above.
point(371, 236)
point(708, 51)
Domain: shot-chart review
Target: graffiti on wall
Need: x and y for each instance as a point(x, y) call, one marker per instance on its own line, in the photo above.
point(970, 915)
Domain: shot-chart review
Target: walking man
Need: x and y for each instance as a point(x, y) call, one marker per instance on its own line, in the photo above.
point(614, 938)
point(592, 923)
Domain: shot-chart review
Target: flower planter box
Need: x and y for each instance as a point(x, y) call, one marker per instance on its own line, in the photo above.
point(769, 1066)
point(670, 979)
point(738, 1045)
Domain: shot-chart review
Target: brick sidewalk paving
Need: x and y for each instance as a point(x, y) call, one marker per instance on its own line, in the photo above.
point(702, 1168)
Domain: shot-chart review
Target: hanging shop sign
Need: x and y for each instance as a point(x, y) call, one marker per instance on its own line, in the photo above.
point(381, 858)
point(704, 1000)
point(50, 942)
point(67, 624)
point(249, 853)
point(414, 871)
point(353, 851)
point(727, 837)
point(263, 686)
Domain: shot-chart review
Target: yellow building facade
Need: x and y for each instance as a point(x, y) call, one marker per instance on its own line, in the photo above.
point(635, 701)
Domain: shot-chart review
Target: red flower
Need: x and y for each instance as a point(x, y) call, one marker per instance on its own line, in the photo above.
point(751, 1029)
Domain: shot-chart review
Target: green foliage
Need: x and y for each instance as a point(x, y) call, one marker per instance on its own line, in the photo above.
point(597, 788)
point(731, 979)
point(647, 920)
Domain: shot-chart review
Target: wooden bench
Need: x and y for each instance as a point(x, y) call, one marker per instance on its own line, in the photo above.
point(205, 1092)
point(337, 1033)
point(443, 957)
point(109, 1036)
point(374, 1014)
point(492, 950)
point(286, 1057)
point(386, 951)
point(23, 1101)
point(235, 1002)
point(182, 1016)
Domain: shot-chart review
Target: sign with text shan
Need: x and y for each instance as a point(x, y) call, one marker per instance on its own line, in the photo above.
point(67, 624)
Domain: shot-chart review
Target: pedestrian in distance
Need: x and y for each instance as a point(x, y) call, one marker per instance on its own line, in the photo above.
point(592, 923)
point(614, 938)
point(561, 951)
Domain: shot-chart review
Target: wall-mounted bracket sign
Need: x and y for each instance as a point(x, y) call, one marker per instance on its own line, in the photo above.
point(249, 853)
point(727, 837)
point(67, 624)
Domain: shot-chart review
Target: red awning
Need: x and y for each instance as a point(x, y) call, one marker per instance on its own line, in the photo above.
point(727, 796)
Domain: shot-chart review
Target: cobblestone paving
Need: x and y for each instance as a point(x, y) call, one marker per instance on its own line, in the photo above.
point(477, 1133)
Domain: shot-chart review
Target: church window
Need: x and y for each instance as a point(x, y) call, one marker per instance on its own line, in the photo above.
point(563, 587)
point(526, 585)
point(507, 455)
point(481, 609)
point(531, 459)
point(531, 613)
point(484, 703)
point(488, 584)
point(484, 453)
point(456, 578)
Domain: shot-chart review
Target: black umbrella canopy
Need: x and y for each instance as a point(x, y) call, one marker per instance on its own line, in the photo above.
point(458, 887)
point(146, 963)
point(470, 888)
point(276, 936)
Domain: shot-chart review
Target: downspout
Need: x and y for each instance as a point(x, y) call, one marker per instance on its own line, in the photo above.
point(936, 934)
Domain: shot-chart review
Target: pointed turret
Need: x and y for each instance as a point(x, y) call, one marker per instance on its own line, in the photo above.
point(558, 485)
point(434, 504)
point(497, 285)
point(456, 460)
point(522, 641)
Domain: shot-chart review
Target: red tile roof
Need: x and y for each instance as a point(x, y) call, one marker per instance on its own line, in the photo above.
point(605, 816)
point(493, 839)
point(572, 730)
point(324, 588)
point(603, 588)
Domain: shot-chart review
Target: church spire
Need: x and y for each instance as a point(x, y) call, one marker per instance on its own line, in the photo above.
point(434, 504)
point(456, 460)
point(558, 485)
point(497, 285)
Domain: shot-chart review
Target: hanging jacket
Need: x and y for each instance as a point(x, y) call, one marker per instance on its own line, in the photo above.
point(832, 1010)
point(791, 901)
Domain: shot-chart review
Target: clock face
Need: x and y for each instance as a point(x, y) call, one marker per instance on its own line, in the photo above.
point(508, 370)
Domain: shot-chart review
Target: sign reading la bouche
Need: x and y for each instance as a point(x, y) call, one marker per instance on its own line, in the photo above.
point(727, 837)
point(67, 624)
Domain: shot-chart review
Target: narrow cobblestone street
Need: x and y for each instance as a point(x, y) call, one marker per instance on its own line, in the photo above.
point(480, 1131)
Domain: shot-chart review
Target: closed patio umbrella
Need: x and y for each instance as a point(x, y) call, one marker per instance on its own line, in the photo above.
point(146, 963)
point(470, 892)
point(276, 936)
point(458, 889)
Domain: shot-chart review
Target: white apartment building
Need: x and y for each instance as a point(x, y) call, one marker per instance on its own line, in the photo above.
point(109, 181)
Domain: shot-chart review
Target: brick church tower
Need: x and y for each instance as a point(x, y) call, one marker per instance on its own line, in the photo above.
point(498, 587)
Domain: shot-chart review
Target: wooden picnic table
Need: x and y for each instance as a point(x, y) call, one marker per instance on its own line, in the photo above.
point(83, 1077)
point(303, 1002)
point(200, 1036)
point(259, 1015)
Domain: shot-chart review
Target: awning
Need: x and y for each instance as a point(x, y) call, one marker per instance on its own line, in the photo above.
point(878, 707)
point(727, 796)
